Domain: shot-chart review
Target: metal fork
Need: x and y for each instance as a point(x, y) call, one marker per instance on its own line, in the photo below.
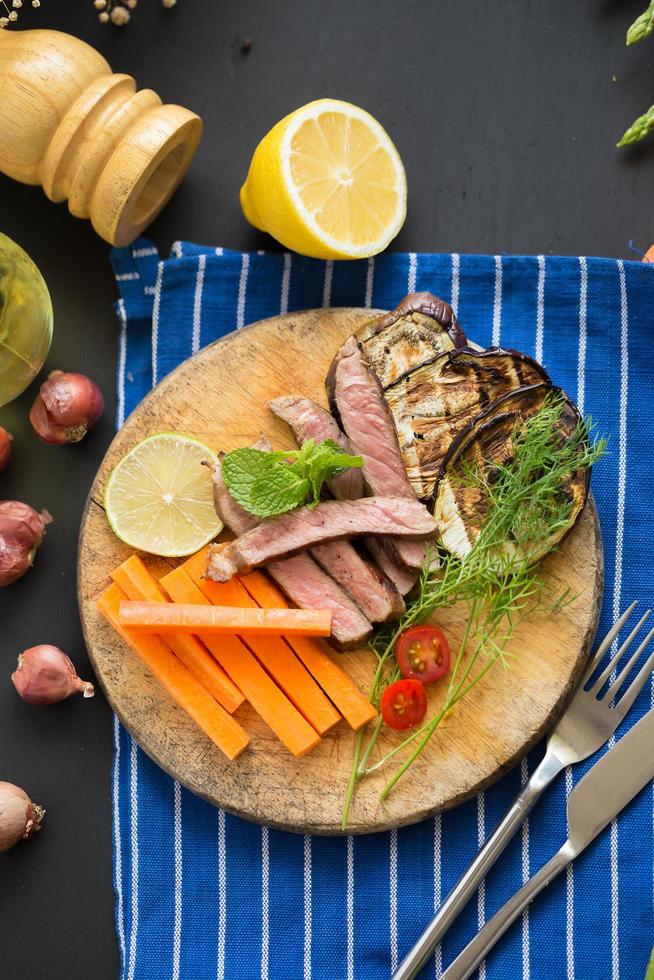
point(589, 720)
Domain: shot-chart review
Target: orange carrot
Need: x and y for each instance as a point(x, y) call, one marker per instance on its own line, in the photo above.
point(156, 617)
point(180, 683)
point(137, 583)
point(339, 686)
point(285, 668)
point(262, 692)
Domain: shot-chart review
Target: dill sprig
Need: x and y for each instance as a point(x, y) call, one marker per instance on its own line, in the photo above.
point(497, 580)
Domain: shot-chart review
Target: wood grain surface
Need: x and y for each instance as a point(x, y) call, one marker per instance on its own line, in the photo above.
point(219, 396)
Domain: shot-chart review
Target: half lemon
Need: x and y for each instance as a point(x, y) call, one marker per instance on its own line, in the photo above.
point(327, 182)
point(159, 498)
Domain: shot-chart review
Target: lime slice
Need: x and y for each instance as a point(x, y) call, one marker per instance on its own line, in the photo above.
point(159, 498)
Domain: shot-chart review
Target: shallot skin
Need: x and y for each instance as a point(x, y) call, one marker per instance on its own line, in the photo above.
point(21, 533)
point(19, 817)
point(67, 406)
point(45, 675)
point(5, 447)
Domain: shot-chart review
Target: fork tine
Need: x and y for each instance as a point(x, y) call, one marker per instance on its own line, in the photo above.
point(607, 641)
point(608, 670)
point(613, 689)
point(634, 689)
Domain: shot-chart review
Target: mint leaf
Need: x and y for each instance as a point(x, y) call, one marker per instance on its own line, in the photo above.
point(266, 484)
point(279, 490)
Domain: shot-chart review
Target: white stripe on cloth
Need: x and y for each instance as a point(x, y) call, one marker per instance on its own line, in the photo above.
point(327, 283)
point(242, 290)
point(438, 888)
point(392, 865)
point(413, 268)
point(569, 900)
point(149, 290)
point(569, 782)
point(140, 253)
point(134, 840)
point(118, 842)
point(177, 841)
point(454, 289)
point(265, 901)
point(370, 278)
point(222, 895)
point(155, 324)
point(177, 250)
point(307, 907)
point(350, 907)
point(481, 892)
point(540, 308)
point(219, 251)
point(127, 276)
point(197, 304)
point(286, 284)
point(583, 306)
point(617, 586)
point(497, 301)
point(524, 776)
point(122, 361)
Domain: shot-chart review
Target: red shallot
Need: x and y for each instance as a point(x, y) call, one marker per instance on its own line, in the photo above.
point(21, 532)
point(66, 407)
point(45, 675)
point(19, 817)
point(5, 447)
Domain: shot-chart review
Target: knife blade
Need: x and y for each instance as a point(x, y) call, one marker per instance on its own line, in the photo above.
point(615, 779)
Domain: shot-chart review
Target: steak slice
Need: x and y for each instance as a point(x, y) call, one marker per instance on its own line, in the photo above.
point(374, 592)
point(303, 528)
point(309, 420)
point(299, 577)
point(369, 426)
point(381, 551)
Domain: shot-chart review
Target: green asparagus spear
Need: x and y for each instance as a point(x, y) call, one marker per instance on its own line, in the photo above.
point(642, 27)
point(639, 129)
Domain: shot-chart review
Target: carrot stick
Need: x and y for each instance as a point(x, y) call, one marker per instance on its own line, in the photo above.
point(137, 583)
point(282, 665)
point(180, 683)
point(156, 617)
point(335, 682)
point(260, 690)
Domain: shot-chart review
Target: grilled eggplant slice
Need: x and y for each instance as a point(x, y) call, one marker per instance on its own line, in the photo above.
point(460, 508)
point(436, 401)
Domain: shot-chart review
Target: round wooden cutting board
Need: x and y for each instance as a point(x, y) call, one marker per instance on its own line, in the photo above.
point(220, 396)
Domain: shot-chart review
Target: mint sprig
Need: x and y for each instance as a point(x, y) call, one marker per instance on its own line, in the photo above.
point(270, 483)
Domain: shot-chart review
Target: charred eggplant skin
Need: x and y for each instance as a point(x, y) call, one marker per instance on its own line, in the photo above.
point(426, 303)
point(521, 403)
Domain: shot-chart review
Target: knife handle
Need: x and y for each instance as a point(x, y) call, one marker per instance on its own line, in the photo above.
point(475, 951)
point(463, 891)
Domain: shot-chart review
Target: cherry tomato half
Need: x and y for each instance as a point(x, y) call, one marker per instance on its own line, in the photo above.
point(423, 653)
point(403, 704)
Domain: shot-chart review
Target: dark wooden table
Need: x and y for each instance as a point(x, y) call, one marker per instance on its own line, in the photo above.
point(506, 115)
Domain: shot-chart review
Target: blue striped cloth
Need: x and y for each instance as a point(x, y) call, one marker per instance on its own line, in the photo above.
point(202, 895)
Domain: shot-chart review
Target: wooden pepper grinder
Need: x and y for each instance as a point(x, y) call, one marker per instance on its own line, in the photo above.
point(86, 135)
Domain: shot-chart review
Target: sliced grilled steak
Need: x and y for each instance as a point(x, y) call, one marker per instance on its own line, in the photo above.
point(373, 592)
point(303, 581)
point(369, 426)
point(434, 402)
point(381, 551)
point(309, 420)
point(303, 528)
